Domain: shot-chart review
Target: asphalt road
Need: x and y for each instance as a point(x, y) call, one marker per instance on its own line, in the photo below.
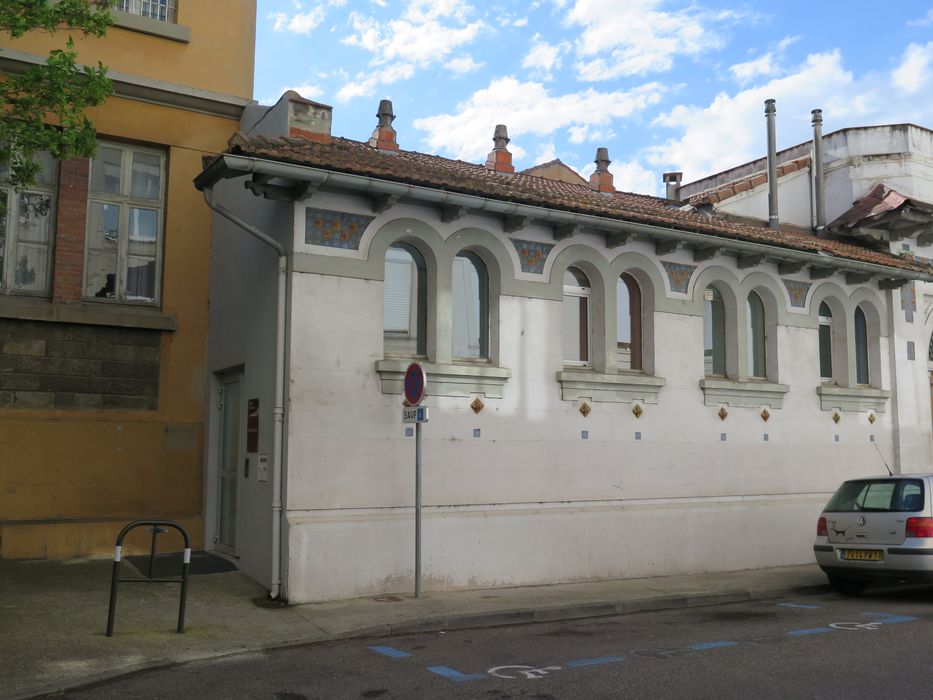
point(875, 646)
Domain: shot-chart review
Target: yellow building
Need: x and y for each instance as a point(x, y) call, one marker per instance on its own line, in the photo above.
point(104, 269)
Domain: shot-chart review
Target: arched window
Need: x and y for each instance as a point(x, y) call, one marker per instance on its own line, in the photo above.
point(861, 347)
point(826, 341)
point(576, 330)
point(404, 302)
point(628, 323)
point(714, 333)
point(470, 300)
point(757, 365)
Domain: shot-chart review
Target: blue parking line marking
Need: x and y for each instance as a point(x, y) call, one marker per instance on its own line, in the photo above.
point(712, 645)
point(813, 630)
point(888, 618)
point(390, 651)
point(580, 663)
point(456, 676)
point(798, 605)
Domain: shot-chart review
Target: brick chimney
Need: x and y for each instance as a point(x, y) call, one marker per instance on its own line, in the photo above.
point(499, 159)
point(601, 180)
point(308, 119)
point(384, 136)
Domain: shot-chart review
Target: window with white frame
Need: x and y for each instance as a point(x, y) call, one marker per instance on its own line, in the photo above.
point(125, 222)
point(826, 341)
point(470, 302)
point(757, 364)
point(404, 301)
point(714, 333)
point(162, 10)
point(26, 233)
point(577, 322)
point(861, 347)
point(628, 323)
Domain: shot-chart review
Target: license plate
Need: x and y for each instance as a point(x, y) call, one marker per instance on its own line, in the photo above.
point(862, 554)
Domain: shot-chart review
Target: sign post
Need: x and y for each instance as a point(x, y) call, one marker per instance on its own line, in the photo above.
point(415, 381)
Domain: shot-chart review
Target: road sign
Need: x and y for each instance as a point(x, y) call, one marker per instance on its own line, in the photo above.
point(415, 414)
point(415, 381)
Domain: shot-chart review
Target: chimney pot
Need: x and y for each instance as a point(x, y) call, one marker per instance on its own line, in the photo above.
point(601, 179)
point(384, 137)
point(770, 112)
point(500, 159)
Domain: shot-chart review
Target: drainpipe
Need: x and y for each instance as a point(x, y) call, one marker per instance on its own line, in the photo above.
point(770, 111)
point(278, 411)
point(818, 169)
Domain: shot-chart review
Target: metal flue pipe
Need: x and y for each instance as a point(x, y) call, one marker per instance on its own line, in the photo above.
point(770, 112)
point(818, 188)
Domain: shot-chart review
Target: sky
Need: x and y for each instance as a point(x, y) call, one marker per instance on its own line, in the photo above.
point(665, 85)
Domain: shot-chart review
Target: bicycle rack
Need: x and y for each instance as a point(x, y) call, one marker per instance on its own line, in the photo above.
point(158, 526)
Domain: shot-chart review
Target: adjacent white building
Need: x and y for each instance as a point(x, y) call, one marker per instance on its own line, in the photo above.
point(619, 386)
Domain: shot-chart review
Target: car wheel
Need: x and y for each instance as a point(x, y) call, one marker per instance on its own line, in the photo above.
point(846, 586)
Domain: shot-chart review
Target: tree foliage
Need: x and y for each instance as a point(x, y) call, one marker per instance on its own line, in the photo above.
point(43, 107)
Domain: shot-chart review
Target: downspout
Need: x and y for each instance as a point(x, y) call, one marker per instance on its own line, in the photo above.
point(278, 411)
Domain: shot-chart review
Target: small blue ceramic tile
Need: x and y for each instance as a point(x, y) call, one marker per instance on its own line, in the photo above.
point(476, 432)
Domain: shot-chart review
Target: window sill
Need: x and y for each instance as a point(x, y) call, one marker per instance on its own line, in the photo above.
point(32, 309)
point(458, 380)
point(147, 25)
point(848, 398)
point(611, 388)
point(747, 394)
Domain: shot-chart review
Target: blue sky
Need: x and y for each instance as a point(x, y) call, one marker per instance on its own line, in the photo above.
point(663, 84)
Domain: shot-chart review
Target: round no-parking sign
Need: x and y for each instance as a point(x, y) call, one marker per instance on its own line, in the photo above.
point(415, 380)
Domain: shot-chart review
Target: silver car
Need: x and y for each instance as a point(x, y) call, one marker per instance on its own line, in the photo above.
point(877, 529)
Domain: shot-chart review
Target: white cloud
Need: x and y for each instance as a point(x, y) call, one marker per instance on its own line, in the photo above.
point(300, 22)
point(520, 22)
point(638, 36)
point(544, 57)
point(632, 176)
point(923, 22)
point(913, 74)
point(463, 64)
point(308, 91)
point(787, 41)
point(763, 65)
point(821, 81)
point(365, 84)
point(545, 153)
point(527, 108)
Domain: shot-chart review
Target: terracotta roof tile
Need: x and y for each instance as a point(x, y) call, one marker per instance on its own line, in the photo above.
point(880, 200)
point(358, 158)
point(730, 189)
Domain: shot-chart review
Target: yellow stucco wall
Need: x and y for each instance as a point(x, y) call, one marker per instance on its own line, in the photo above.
point(70, 479)
point(219, 56)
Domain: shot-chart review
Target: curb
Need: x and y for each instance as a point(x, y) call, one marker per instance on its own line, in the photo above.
point(445, 623)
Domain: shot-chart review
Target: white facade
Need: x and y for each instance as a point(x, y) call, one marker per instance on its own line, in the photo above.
point(555, 478)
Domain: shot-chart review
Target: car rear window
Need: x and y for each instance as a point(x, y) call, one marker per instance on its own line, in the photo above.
point(878, 495)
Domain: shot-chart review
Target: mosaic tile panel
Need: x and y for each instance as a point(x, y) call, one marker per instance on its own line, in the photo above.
point(909, 301)
point(798, 292)
point(678, 275)
point(335, 229)
point(532, 255)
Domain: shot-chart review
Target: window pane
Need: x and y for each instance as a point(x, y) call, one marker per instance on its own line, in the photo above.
point(861, 347)
point(32, 221)
point(146, 178)
point(826, 351)
point(756, 336)
point(105, 170)
point(576, 329)
point(31, 271)
point(623, 316)
point(825, 311)
point(4, 201)
point(103, 227)
point(469, 301)
point(714, 334)
point(141, 254)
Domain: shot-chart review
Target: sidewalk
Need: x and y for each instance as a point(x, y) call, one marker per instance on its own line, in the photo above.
point(53, 615)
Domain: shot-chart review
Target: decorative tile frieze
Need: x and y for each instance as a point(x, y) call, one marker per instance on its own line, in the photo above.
point(798, 292)
point(532, 255)
point(678, 275)
point(335, 229)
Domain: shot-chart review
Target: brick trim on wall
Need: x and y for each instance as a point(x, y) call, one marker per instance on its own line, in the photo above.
point(68, 275)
